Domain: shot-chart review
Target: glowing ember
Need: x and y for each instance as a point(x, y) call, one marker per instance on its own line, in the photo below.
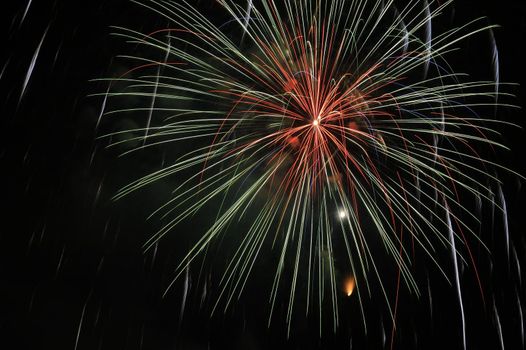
point(349, 285)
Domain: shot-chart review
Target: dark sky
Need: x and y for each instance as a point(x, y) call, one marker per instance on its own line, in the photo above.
point(72, 272)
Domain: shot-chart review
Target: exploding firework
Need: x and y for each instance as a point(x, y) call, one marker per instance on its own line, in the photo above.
point(334, 134)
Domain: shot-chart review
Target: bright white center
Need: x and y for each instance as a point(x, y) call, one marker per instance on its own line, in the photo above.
point(315, 122)
point(342, 214)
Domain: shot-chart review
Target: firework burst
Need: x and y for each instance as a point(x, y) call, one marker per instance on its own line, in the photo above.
point(333, 133)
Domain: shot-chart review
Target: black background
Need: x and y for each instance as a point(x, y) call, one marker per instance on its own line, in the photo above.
point(72, 272)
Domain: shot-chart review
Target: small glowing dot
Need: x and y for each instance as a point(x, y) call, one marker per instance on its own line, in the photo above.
point(342, 214)
point(316, 122)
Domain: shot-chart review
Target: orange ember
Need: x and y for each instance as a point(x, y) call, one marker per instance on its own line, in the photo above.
point(349, 285)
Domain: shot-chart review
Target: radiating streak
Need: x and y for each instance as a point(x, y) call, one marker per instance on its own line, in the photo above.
point(457, 277)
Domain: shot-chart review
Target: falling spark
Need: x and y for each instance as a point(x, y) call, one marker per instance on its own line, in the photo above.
point(384, 335)
point(97, 315)
point(57, 53)
point(517, 265)
point(495, 63)
point(429, 36)
point(204, 293)
point(102, 110)
point(185, 293)
point(504, 209)
point(30, 243)
point(499, 327)
point(4, 68)
point(405, 36)
point(80, 326)
point(430, 298)
point(32, 65)
point(154, 255)
point(98, 192)
point(25, 11)
point(59, 264)
point(457, 277)
point(521, 317)
point(141, 341)
point(155, 89)
point(99, 265)
point(32, 300)
point(247, 19)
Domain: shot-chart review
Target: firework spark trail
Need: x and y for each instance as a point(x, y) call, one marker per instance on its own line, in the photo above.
point(457, 278)
point(521, 317)
point(25, 12)
point(247, 19)
point(429, 36)
point(4, 67)
point(186, 288)
point(59, 264)
point(495, 63)
point(79, 328)
point(320, 108)
point(503, 205)
point(430, 298)
point(154, 93)
point(499, 326)
point(32, 65)
point(103, 107)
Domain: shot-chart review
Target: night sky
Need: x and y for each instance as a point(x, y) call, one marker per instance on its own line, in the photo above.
point(73, 274)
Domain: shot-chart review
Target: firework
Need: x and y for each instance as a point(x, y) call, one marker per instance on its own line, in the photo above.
point(334, 134)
